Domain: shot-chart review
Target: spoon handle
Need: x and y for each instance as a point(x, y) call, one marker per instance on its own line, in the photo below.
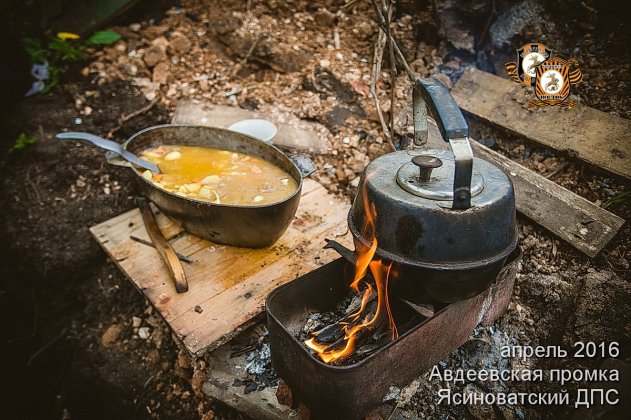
point(112, 146)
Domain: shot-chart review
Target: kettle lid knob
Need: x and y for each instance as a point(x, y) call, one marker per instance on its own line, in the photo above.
point(426, 164)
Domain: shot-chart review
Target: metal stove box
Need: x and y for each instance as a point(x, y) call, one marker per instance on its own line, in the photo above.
point(350, 392)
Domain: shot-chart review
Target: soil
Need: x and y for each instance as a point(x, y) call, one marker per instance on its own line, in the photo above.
point(82, 342)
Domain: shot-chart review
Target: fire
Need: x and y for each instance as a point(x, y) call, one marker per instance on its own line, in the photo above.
point(380, 272)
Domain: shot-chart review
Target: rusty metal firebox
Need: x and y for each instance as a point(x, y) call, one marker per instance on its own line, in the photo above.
point(349, 392)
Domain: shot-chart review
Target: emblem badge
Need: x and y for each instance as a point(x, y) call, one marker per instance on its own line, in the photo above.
point(528, 58)
point(551, 77)
point(554, 79)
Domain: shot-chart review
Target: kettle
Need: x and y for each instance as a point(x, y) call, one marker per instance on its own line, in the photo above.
point(445, 219)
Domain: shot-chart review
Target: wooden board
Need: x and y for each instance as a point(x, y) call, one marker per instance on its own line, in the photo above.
point(596, 137)
point(572, 218)
point(293, 133)
point(227, 285)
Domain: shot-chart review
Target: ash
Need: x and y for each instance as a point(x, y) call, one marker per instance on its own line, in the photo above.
point(318, 320)
point(259, 368)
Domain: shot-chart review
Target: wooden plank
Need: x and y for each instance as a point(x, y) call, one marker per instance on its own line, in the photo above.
point(292, 132)
point(572, 218)
point(227, 285)
point(598, 138)
point(569, 216)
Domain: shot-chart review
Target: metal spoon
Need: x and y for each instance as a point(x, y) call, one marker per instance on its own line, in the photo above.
point(112, 146)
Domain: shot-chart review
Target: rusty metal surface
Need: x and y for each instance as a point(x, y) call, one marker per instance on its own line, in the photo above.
point(349, 392)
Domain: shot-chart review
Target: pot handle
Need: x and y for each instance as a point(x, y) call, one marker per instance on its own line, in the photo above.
point(305, 165)
point(431, 95)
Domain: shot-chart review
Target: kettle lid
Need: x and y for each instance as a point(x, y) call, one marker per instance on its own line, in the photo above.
point(430, 174)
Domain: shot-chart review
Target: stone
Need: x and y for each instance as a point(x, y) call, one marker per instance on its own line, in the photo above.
point(120, 47)
point(110, 336)
point(136, 321)
point(375, 150)
point(324, 17)
point(155, 31)
point(130, 69)
point(161, 73)
point(180, 44)
point(365, 29)
point(143, 333)
point(160, 42)
point(154, 55)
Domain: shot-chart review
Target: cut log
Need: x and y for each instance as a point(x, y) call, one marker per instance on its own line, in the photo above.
point(596, 137)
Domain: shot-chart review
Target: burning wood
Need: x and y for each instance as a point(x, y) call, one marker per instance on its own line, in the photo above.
point(367, 321)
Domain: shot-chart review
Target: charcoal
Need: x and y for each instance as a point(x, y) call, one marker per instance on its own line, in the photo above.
point(425, 310)
point(382, 331)
point(260, 360)
point(367, 349)
point(330, 327)
point(356, 302)
point(250, 387)
point(330, 333)
point(314, 323)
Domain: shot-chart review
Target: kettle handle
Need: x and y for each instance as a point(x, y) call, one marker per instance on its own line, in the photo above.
point(431, 95)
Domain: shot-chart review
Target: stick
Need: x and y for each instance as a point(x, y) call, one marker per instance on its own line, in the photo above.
point(33, 186)
point(47, 345)
point(181, 257)
point(124, 118)
point(346, 6)
point(245, 59)
point(381, 22)
point(393, 70)
point(559, 169)
point(164, 248)
point(376, 70)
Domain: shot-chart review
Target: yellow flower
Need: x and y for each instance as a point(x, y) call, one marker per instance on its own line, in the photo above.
point(67, 35)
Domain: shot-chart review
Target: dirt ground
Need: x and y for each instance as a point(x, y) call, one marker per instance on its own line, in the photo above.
point(72, 321)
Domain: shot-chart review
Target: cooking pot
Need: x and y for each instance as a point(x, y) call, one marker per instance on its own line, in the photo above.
point(445, 219)
point(236, 225)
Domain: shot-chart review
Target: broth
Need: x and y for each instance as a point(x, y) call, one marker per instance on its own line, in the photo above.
point(218, 176)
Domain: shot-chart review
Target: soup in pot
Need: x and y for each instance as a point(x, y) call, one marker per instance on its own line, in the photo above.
point(218, 176)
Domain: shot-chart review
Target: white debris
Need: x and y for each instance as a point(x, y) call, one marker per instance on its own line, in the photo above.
point(143, 332)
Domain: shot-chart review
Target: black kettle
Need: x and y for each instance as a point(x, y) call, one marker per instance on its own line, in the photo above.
point(445, 219)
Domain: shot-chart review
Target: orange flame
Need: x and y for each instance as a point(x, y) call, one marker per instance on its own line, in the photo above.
point(380, 273)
